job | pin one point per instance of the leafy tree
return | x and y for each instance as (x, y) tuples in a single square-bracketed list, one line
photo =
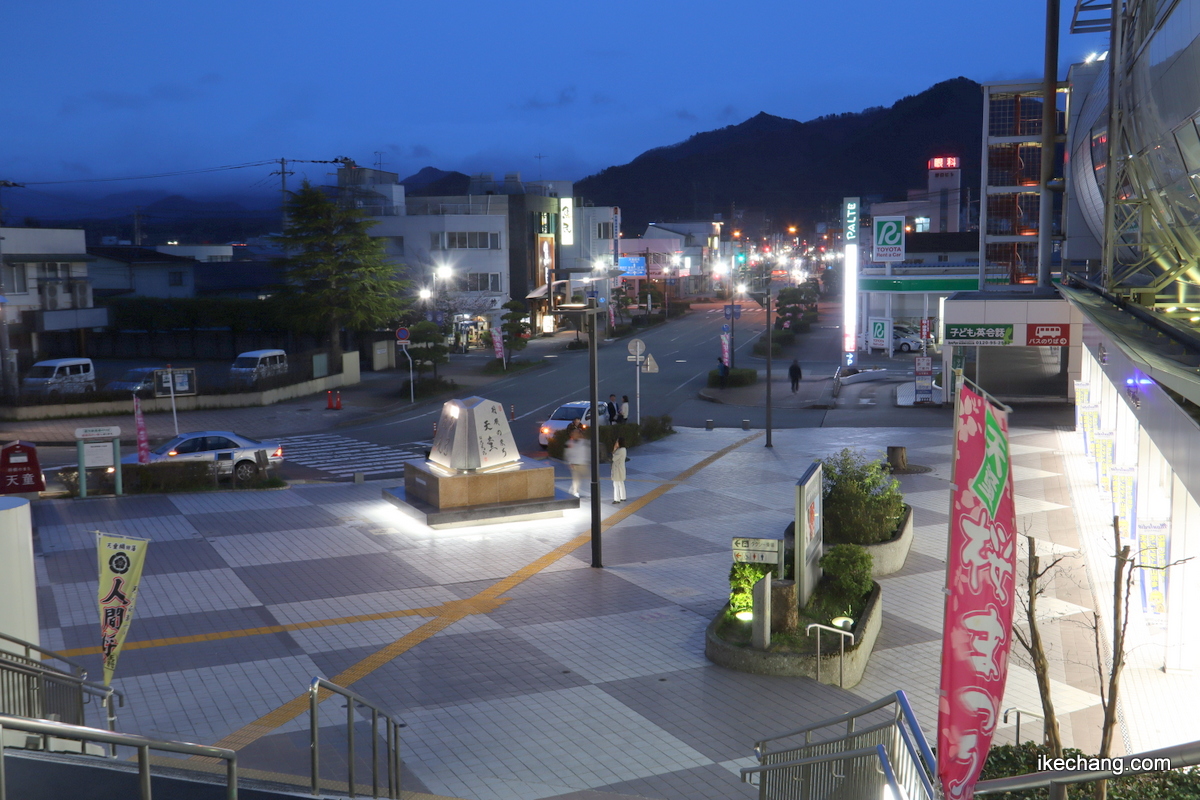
[(515, 327), (428, 347), (334, 270), (863, 503)]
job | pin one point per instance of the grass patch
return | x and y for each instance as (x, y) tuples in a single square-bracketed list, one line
[(496, 366)]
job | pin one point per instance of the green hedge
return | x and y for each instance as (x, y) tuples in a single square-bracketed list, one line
[(1007, 760), (760, 348), (740, 376), (182, 476), (652, 428), (863, 503)]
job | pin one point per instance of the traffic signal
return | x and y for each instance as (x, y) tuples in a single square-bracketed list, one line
[(741, 258)]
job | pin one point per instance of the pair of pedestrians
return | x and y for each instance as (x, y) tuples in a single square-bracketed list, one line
[(579, 456)]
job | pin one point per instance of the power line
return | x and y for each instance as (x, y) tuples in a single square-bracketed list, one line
[(156, 175)]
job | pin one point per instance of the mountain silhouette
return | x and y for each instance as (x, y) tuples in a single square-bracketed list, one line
[(797, 172)]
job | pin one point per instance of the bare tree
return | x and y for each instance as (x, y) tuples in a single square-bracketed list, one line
[(1035, 646)]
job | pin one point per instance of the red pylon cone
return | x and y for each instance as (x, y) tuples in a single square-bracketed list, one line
[(338, 407), (328, 401)]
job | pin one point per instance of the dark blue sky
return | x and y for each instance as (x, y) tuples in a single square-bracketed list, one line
[(98, 89)]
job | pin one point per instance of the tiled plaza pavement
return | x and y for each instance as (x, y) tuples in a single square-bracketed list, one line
[(519, 671)]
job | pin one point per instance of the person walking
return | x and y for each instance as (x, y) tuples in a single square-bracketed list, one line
[(579, 456), (795, 373), (623, 414), (619, 456)]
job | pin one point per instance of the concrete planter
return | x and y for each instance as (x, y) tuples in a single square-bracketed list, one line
[(797, 665), (888, 557)]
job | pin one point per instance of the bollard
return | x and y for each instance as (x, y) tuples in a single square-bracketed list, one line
[(708, 424), (338, 406), (745, 424), (512, 412), (435, 430), (359, 477), (329, 400)]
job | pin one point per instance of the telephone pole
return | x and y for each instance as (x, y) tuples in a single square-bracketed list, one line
[(283, 173), (137, 226), (8, 365)]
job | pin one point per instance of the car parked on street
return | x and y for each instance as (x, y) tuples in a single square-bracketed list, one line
[(579, 411), (139, 380), (233, 454), (58, 376)]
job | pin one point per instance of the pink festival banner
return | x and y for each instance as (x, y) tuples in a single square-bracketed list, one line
[(980, 587), (498, 344), (143, 439)]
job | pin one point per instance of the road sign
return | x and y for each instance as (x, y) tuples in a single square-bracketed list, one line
[(758, 551), (724, 329), (111, 432), (638, 359), (651, 365), (636, 347), (733, 311), (401, 334), (670, 281)]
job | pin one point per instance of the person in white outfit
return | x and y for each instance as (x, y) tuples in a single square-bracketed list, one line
[(624, 412), (618, 470), (579, 454)]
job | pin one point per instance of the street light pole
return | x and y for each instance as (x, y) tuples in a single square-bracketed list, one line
[(588, 313), (770, 347)]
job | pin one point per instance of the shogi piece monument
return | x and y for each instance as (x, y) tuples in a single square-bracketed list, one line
[(474, 474)]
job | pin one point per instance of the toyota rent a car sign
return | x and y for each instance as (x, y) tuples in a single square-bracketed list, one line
[(889, 238), (1057, 334)]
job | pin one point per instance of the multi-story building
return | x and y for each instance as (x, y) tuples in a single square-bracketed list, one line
[(46, 289)]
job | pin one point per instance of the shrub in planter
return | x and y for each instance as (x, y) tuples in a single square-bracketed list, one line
[(737, 377), (742, 577), (845, 586), (760, 348), (654, 428), (862, 501), (577, 344)]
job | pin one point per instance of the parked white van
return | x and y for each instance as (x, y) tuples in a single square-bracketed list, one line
[(253, 366), (60, 376)]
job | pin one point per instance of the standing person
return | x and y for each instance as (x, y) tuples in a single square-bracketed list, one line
[(723, 371), (612, 409), (619, 454), (623, 414), (579, 455), (795, 373)]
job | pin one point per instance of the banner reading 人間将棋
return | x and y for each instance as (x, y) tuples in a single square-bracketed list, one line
[(121, 559), (980, 587)]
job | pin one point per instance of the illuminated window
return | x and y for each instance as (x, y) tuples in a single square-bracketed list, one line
[(921, 225)]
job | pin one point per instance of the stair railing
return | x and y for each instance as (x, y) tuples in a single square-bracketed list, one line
[(352, 702)]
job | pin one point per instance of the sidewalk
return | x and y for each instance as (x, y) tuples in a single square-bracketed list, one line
[(520, 672), (377, 393)]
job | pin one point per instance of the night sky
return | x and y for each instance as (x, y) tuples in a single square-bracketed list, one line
[(100, 89)]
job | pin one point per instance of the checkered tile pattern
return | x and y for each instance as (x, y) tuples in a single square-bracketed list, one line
[(572, 679)]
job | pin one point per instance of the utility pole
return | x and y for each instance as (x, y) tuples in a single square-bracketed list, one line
[(137, 226), (283, 173), (7, 364)]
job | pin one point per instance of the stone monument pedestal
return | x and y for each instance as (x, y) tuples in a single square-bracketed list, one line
[(445, 498)]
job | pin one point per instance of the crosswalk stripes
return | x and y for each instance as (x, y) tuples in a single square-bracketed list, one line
[(343, 456)]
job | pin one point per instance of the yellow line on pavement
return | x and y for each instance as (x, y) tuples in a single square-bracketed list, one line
[(483, 602)]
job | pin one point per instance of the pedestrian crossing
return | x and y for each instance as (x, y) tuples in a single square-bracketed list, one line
[(343, 456)]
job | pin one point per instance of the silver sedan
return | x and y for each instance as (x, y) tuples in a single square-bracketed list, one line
[(231, 452)]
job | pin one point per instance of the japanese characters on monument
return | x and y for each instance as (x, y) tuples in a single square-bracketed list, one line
[(980, 577), (143, 440), (121, 559)]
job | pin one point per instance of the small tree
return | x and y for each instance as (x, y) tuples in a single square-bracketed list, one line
[(1035, 647), (428, 337), (863, 503), (515, 327), (334, 270)]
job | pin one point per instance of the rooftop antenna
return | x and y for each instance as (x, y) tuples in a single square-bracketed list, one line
[(379, 160), (539, 158)]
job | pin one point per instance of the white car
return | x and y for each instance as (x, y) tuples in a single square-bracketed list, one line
[(579, 411), (232, 453), (905, 342)]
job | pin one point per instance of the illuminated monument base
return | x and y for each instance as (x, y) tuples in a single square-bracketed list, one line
[(474, 474)]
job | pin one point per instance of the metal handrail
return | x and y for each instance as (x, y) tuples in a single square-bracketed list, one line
[(1019, 712), (80, 671), (393, 739), (1180, 755), (878, 751), (848, 717), (143, 745), (841, 648), (42, 673)]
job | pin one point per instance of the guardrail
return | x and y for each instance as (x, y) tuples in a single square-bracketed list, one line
[(907, 752), (31, 688), (142, 744), (352, 701), (1174, 757), (843, 635), (1018, 712)]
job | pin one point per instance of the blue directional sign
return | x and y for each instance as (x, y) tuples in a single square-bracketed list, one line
[(724, 329), (733, 312), (851, 359), (632, 266), (671, 281)]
